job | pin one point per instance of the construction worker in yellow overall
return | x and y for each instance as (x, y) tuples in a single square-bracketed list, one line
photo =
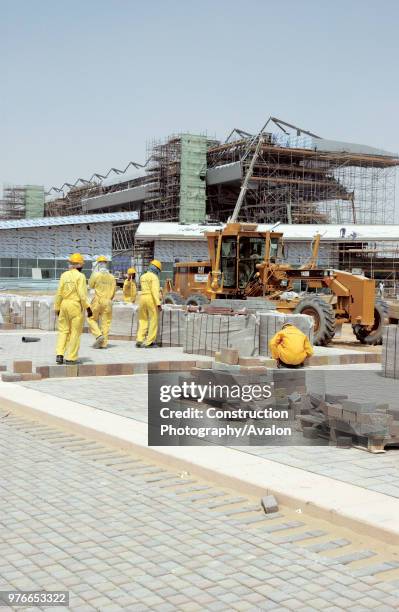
[(70, 304), (104, 285), (129, 287), (149, 306), (290, 347)]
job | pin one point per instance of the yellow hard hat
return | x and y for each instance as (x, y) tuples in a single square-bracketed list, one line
[(102, 259), (156, 263), (131, 271), (76, 258)]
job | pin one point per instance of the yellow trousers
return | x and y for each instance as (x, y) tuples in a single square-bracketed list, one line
[(148, 320), (70, 328), (100, 323)]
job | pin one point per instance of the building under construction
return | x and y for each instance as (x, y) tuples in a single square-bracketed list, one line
[(22, 202), (298, 177)]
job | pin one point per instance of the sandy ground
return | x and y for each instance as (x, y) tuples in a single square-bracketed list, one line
[(348, 340)]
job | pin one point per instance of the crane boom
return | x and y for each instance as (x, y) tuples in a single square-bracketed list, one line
[(245, 182)]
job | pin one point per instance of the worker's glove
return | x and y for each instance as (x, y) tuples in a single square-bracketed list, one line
[(89, 312), (159, 307)]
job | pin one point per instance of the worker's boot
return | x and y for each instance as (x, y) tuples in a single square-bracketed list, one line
[(139, 345), (152, 345), (59, 359), (69, 362), (98, 342)]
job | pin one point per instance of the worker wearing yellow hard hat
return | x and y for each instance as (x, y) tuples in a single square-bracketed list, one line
[(149, 305), (129, 287), (290, 347), (70, 304), (103, 284)]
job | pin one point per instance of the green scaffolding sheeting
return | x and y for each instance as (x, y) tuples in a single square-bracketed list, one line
[(192, 187), (34, 201)]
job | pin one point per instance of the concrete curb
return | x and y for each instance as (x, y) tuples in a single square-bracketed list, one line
[(364, 511)]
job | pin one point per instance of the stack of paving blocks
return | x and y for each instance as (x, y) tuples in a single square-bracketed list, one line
[(171, 326), (22, 371), (208, 333), (390, 351), (27, 312), (251, 305), (38, 313), (124, 321), (205, 334), (366, 424)]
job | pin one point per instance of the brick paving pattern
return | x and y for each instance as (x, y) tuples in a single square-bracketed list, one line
[(127, 396), (118, 533)]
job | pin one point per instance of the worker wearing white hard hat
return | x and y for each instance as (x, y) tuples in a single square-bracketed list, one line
[(103, 283)]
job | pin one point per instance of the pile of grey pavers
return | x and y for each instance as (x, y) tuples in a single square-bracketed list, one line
[(347, 423), (250, 333), (390, 352)]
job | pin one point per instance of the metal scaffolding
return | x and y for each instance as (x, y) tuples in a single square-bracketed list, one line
[(294, 182)]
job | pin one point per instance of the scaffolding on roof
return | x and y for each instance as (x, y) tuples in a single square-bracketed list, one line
[(295, 182), (298, 178)]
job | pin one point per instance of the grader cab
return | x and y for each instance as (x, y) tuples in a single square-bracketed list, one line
[(244, 262)]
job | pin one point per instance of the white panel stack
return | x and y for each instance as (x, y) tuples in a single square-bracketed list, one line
[(390, 352)]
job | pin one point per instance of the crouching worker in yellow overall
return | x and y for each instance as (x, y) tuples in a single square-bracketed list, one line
[(129, 287), (149, 305), (70, 305), (104, 285), (290, 347)]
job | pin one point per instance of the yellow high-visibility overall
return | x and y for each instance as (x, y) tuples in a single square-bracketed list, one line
[(71, 302), (290, 346), (104, 285), (129, 291), (148, 308)]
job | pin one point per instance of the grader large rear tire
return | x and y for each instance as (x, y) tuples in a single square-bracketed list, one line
[(374, 336), (197, 299), (323, 315), (173, 298)]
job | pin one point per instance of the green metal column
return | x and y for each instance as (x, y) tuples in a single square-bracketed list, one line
[(192, 187), (34, 201)]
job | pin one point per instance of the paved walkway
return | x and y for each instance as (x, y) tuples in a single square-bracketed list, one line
[(118, 533), (118, 351), (43, 352), (127, 396)]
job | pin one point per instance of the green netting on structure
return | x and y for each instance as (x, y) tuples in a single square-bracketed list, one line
[(34, 201), (192, 187)]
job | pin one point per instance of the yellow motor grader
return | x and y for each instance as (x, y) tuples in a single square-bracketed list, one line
[(244, 262)]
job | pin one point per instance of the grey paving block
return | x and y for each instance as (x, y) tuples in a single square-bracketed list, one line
[(355, 556), (301, 536), (332, 545), (269, 504)]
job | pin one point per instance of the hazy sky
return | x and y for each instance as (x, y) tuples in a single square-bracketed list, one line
[(86, 84)]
